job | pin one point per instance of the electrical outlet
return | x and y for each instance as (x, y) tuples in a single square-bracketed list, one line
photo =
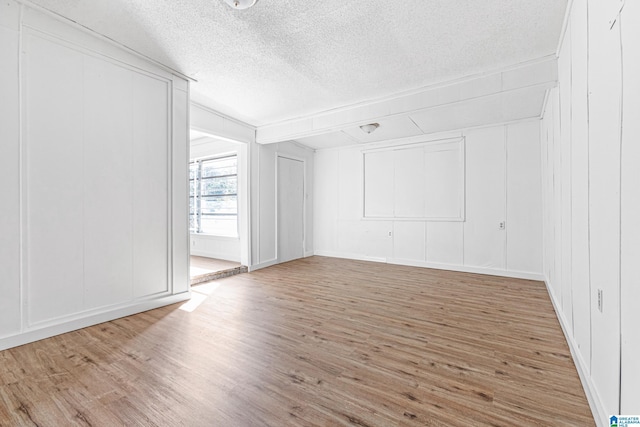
[(502, 225), (600, 300)]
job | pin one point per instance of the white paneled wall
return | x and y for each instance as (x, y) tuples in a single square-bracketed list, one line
[(502, 185), (630, 204), (10, 307), (264, 160), (486, 202), (591, 242), (94, 187)]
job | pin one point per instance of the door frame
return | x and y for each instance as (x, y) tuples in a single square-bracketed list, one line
[(244, 199)]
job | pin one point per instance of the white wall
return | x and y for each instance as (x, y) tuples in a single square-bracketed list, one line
[(591, 238), (263, 200), (94, 164), (221, 247), (502, 178)]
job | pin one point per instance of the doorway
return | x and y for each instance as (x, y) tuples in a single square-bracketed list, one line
[(290, 208), (218, 201)]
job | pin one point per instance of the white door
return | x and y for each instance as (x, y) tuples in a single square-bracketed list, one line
[(290, 209)]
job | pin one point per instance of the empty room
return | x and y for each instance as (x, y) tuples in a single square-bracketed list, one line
[(319, 213)]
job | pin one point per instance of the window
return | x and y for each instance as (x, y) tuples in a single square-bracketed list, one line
[(213, 201)]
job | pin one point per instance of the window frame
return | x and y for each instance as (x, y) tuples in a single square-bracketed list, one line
[(197, 196)]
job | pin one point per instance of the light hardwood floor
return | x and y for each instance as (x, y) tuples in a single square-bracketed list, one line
[(318, 341)]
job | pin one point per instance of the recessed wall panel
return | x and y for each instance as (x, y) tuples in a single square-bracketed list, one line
[(524, 213), (484, 240), (108, 175), (630, 245), (150, 185), (580, 280), (379, 184), (180, 159), (444, 181), (418, 181), (9, 174), (445, 243), (604, 198), (409, 240), (54, 180), (267, 204), (409, 181), (326, 186)]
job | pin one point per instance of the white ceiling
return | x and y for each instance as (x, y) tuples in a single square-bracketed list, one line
[(284, 59)]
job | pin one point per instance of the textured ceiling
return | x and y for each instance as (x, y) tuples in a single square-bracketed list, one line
[(289, 58)]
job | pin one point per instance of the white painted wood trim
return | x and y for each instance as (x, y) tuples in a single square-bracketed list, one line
[(451, 267), (590, 390), (104, 39), (82, 320), (426, 143), (275, 132)]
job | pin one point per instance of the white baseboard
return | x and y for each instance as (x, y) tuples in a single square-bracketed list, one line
[(84, 320), (347, 255), (450, 267), (595, 403), (469, 269), (309, 253)]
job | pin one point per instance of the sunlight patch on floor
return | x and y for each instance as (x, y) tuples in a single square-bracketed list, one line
[(199, 294)]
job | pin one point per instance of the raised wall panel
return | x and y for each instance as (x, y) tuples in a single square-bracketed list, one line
[(54, 179), (108, 174), (180, 159), (379, 184), (290, 209), (254, 161), (580, 183), (409, 179), (484, 241), (326, 185), (421, 181), (604, 198), (376, 241), (150, 186), (524, 212), (9, 171), (267, 204), (409, 240), (445, 243), (564, 75), (350, 186), (630, 244), (556, 205), (350, 237), (443, 181)]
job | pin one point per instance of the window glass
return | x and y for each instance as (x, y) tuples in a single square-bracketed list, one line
[(213, 188)]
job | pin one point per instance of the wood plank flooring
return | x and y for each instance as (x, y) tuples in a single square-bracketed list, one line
[(313, 342)]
